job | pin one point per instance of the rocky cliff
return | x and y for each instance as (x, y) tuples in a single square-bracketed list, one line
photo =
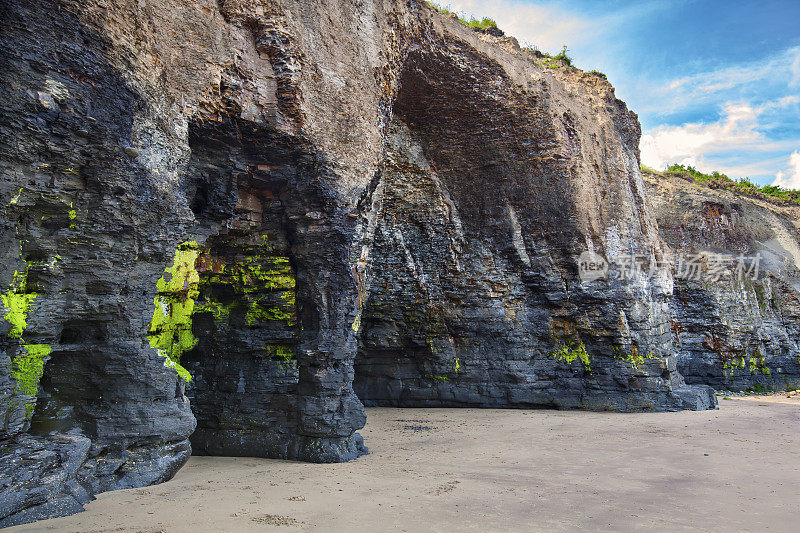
[(224, 219), (499, 172), (736, 304)]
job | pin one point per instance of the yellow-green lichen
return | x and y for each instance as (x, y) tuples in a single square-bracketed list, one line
[(15, 200), (457, 365), (252, 276), (737, 362), (17, 301), (247, 278), (571, 352), (283, 352), (755, 363), (170, 330), (219, 311), (633, 357), (72, 214), (256, 314), (25, 369)]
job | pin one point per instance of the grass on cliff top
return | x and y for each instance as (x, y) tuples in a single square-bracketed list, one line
[(718, 180), (549, 60), (561, 56), (483, 24)]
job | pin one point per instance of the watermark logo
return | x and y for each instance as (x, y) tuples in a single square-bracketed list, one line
[(592, 266), (694, 267)]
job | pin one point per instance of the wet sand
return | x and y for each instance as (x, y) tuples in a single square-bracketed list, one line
[(737, 468)]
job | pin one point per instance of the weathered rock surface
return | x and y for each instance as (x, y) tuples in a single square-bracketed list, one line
[(732, 330), (498, 176), (219, 216)]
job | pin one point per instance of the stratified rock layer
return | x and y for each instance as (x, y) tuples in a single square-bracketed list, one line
[(732, 330), (251, 203), (498, 175)]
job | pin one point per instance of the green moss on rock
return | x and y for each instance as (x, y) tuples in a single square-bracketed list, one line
[(218, 310), (170, 330), (26, 369), (571, 352), (284, 352), (634, 358), (256, 314), (17, 301), (247, 278)]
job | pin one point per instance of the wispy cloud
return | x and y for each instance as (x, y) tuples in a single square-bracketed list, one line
[(795, 69), (791, 178), (677, 98), (687, 144), (781, 71), (549, 26), (708, 146)]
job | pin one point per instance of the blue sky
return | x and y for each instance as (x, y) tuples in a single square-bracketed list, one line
[(716, 84)]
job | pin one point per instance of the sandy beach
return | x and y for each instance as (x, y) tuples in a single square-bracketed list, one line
[(735, 468)]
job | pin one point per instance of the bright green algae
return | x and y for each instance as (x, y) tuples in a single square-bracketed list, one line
[(17, 301), (248, 278), (180, 288), (571, 352), (27, 368), (170, 330)]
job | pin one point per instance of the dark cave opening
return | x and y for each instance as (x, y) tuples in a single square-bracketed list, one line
[(272, 363), (245, 321)]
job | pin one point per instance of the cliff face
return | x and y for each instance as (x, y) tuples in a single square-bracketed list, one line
[(180, 176), (218, 215), (734, 327), (498, 175)]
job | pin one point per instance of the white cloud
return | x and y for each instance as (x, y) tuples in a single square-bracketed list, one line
[(780, 103), (781, 71), (757, 128), (688, 144), (708, 146), (547, 27), (795, 68), (792, 179)]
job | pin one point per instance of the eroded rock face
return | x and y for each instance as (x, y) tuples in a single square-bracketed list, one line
[(136, 135), (732, 330), (497, 177), (218, 214), (78, 275)]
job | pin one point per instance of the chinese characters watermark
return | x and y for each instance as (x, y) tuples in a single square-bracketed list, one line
[(694, 267)]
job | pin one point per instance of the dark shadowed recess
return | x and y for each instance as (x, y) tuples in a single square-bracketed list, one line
[(275, 295), (441, 341)]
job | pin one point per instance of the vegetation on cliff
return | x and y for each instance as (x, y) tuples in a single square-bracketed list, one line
[(718, 180), (170, 329), (485, 23), (27, 367), (482, 24)]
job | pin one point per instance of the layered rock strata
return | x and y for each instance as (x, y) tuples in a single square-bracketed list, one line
[(736, 303), (220, 216)]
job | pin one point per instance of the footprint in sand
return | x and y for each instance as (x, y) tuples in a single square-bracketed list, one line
[(275, 520), (444, 488)]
